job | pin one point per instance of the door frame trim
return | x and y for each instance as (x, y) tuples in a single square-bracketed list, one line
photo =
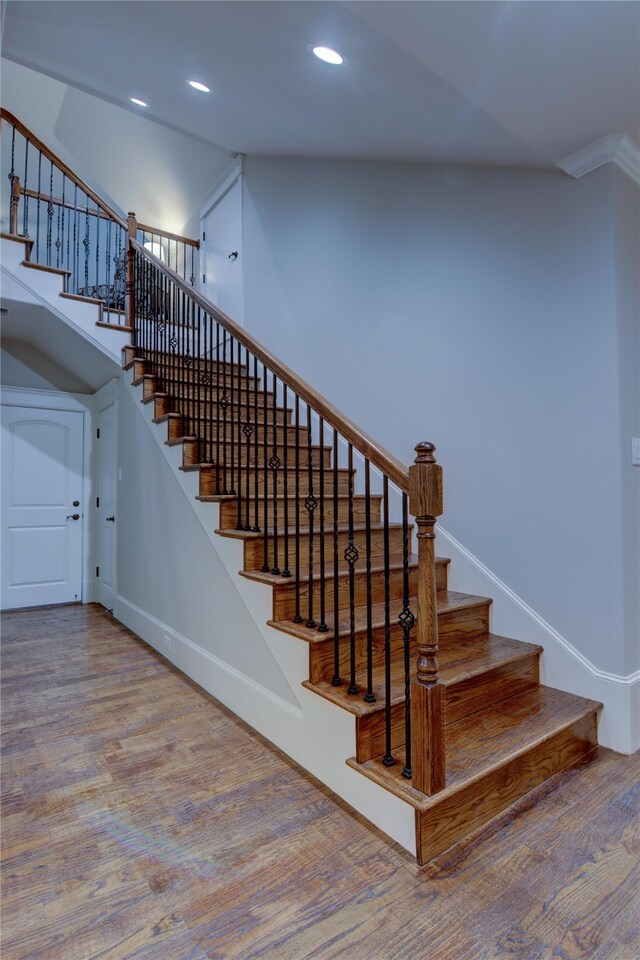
[(87, 404), (104, 398)]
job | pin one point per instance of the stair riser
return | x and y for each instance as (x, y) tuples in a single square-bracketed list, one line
[(254, 550), (196, 451), (229, 510), (208, 483), (180, 375), (210, 395), (190, 427), (465, 811), (464, 624), (461, 700), (284, 604), (159, 359), (237, 413)]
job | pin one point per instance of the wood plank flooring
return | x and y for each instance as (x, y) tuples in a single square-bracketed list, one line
[(142, 820)]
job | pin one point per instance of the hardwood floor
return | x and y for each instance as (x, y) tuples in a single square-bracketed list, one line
[(142, 820)]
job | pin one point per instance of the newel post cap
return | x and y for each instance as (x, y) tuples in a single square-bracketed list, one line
[(425, 483)]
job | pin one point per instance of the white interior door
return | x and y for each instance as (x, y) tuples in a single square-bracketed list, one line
[(222, 253), (106, 506), (41, 506)]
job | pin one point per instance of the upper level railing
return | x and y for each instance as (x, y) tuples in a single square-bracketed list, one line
[(328, 505), (71, 228)]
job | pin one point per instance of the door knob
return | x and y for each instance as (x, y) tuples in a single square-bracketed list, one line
[(73, 516), (110, 519)]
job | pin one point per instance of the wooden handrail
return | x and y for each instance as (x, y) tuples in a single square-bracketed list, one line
[(395, 470), (145, 228), (44, 149)]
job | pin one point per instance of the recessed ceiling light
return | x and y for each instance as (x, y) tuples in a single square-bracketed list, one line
[(140, 103), (327, 54), (199, 86)]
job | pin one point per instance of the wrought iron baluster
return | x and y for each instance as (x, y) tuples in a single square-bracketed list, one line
[(25, 208), (407, 621), (38, 206), (275, 464), (351, 556), (57, 244), (322, 626), (76, 240), (297, 616), (265, 475), (86, 244), (97, 277), (369, 696), (286, 572), (193, 267), (337, 680), (218, 410), (388, 759), (247, 431), (233, 425), (224, 403), (49, 213), (310, 504), (64, 183), (256, 497)]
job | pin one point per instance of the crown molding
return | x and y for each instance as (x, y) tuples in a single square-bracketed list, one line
[(613, 148)]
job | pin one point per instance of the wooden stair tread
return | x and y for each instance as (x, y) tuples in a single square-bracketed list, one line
[(17, 238), (448, 600), (328, 498), (487, 741), (457, 661), (42, 266)]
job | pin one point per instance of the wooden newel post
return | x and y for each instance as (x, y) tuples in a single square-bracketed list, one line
[(13, 206), (427, 694), (132, 230)]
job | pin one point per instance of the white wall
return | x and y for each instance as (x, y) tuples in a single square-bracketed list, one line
[(167, 567), (627, 262), (475, 308), (23, 365), (139, 165)]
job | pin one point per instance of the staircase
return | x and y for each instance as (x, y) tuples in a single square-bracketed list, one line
[(504, 733), (448, 717)]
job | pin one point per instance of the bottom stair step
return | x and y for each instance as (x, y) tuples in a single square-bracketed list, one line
[(494, 757)]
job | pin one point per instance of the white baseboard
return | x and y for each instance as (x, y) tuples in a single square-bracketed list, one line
[(292, 729), (563, 666)]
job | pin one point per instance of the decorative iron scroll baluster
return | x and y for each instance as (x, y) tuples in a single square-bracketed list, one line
[(275, 464), (406, 621), (337, 680), (38, 206), (218, 410), (310, 504), (256, 498), (25, 207), (265, 475), (286, 572), (298, 615), (388, 759), (322, 626), (85, 242), (247, 431), (351, 556), (233, 373), (49, 216), (369, 696), (60, 237)]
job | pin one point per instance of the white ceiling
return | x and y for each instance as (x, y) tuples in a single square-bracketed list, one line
[(516, 83)]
